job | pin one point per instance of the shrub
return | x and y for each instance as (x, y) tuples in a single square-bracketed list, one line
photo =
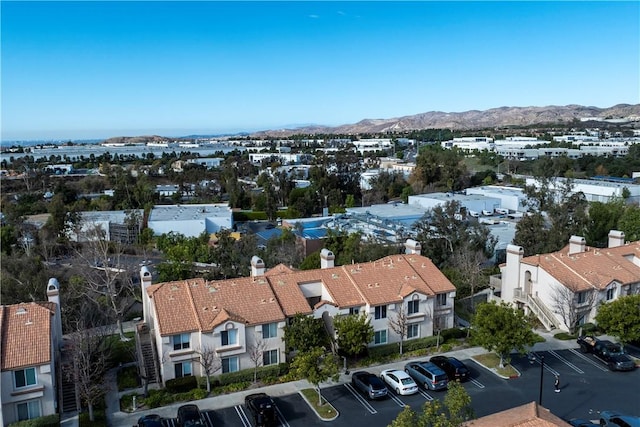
[(128, 378), (589, 329), (246, 375), (453, 334), (47, 421), (100, 419), (158, 398), (182, 384)]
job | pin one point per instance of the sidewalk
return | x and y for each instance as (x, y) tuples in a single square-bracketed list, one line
[(116, 418)]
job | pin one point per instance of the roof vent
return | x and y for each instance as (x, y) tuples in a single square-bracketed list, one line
[(21, 310)]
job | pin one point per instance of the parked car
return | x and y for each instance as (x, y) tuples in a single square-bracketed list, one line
[(399, 381), (616, 419), (189, 416), (455, 369), (611, 354), (579, 422), (427, 374), (263, 409), (369, 384), (151, 420)]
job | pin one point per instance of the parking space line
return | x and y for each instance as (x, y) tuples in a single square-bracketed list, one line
[(546, 366), (477, 383), (169, 422), (360, 399), (586, 359), (281, 417), (396, 399), (243, 416), (569, 364), (425, 394)]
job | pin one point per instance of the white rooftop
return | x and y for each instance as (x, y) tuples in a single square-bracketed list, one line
[(189, 212)]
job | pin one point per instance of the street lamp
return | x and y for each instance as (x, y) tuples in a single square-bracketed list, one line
[(541, 376)]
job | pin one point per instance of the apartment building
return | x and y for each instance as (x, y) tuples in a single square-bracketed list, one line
[(236, 316), (564, 288), (31, 335)]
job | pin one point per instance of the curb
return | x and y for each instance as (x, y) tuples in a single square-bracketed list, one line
[(314, 409), (494, 372)]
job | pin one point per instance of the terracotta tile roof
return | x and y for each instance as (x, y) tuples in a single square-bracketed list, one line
[(26, 335), (594, 268), (528, 415), (198, 305), (195, 304)]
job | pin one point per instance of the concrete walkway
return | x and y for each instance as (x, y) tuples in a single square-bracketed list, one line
[(117, 418)]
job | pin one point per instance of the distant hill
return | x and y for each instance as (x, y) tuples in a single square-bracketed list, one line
[(468, 120)]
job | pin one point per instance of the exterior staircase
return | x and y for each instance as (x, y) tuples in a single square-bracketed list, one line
[(146, 354), (68, 396), (537, 307)]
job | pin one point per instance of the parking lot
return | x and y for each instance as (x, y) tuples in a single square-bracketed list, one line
[(587, 387)]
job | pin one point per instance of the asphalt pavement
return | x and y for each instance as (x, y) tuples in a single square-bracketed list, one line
[(119, 418)]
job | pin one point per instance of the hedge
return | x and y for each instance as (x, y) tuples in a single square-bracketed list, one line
[(182, 384), (47, 421), (271, 371)]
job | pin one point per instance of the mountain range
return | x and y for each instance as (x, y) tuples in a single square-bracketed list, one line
[(469, 120)]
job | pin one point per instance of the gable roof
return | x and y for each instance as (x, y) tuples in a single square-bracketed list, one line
[(26, 335), (198, 305), (592, 269), (527, 415)]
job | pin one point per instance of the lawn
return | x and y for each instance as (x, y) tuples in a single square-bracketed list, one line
[(325, 411), (492, 361)]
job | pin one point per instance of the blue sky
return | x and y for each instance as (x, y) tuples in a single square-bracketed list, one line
[(99, 69)]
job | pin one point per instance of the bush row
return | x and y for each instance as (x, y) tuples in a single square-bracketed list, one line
[(48, 421)]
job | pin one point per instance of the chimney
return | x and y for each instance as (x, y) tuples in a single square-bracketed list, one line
[(327, 259), (257, 266), (53, 295), (577, 245), (616, 238), (145, 282), (412, 247)]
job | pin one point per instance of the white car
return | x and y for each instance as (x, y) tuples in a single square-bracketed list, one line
[(399, 381)]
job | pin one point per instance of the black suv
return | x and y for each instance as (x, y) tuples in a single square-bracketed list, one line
[(189, 416), (369, 384), (263, 409), (455, 369)]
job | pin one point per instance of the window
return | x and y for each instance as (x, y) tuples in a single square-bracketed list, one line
[(611, 293), (28, 410), (413, 331), (354, 310), (229, 337), (181, 341), (413, 307), (229, 364), (442, 299), (380, 337), (269, 357), (381, 312), (582, 297), (182, 369), (270, 330), (25, 377)]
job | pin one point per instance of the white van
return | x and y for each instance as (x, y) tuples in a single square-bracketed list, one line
[(474, 214), (502, 211)]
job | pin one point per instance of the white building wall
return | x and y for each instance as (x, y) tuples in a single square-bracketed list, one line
[(44, 392)]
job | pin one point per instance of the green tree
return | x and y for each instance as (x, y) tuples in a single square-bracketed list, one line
[(354, 333), (603, 217), (629, 223), (454, 412), (501, 328), (316, 365), (445, 230), (304, 333), (621, 318), (556, 213)]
